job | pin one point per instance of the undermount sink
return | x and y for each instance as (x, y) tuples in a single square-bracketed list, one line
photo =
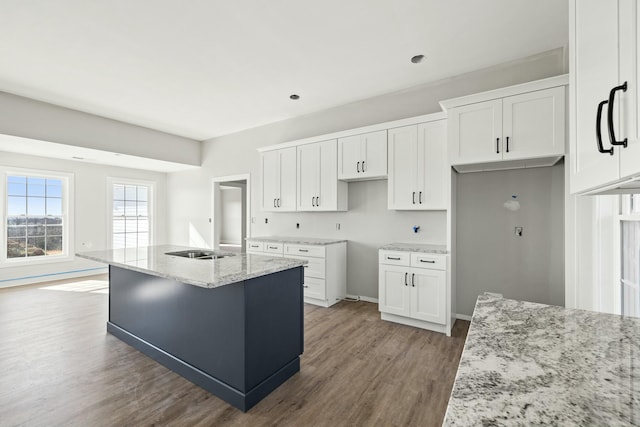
[(199, 254)]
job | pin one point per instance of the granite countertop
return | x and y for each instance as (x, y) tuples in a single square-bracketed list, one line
[(533, 364), (416, 247), (205, 273), (296, 240)]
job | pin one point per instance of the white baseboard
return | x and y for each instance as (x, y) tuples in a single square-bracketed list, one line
[(363, 298), (463, 317), (30, 280)]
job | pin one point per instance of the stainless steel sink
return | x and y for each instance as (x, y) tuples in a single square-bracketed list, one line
[(200, 254)]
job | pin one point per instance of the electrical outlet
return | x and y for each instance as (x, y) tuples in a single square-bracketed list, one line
[(518, 231), (337, 226), (266, 220)]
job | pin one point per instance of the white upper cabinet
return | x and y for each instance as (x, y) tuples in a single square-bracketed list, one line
[(524, 126), (604, 40), (278, 170), (362, 157), (317, 178), (418, 167), (475, 131)]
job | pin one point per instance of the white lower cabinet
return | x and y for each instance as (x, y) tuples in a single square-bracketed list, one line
[(325, 274), (412, 289)]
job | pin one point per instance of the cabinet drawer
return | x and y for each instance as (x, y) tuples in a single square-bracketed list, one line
[(432, 261), (394, 258), (314, 288), (273, 248), (255, 246), (304, 251), (315, 268)]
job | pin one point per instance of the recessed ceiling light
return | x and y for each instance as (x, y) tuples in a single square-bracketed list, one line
[(294, 96), (77, 158), (417, 59)]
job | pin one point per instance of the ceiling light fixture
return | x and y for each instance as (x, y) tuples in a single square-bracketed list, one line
[(294, 97), (417, 59), (77, 158)]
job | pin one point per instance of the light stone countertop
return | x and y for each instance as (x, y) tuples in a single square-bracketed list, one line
[(416, 247), (205, 273), (295, 240), (533, 364)]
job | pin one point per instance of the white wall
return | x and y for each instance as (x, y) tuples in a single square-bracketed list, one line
[(91, 214), (368, 224), (490, 257), (32, 119)]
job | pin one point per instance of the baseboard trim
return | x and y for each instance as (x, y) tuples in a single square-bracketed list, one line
[(41, 278), (363, 298), (463, 317)]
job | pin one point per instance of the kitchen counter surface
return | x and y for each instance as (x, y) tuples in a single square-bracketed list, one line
[(416, 247), (205, 273), (296, 240), (533, 364)]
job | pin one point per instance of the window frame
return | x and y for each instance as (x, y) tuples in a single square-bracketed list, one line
[(151, 200), (68, 223), (624, 214)]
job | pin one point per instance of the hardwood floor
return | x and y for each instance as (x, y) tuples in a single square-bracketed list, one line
[(58, 366)]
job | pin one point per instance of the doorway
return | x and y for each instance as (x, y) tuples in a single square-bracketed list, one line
[(231, 210)]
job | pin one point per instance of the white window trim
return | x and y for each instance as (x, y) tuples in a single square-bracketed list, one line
[(68, 223), (111, 181), (624, 207)]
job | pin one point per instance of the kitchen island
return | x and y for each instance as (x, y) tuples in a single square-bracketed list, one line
[(533, 364), (230, 323)]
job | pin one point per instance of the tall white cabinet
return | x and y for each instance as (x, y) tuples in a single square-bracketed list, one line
[(605, 143), (418, 167)]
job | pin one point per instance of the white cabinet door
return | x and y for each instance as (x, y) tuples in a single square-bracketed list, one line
[(270, 180), (394, 293), (350, 157), (327, 193), (476, 132), (374, 156), (629, 101), (432, 167), (533, 124), (287, 199), (403, 174), (595, 72), (428, 295), (308, 176)]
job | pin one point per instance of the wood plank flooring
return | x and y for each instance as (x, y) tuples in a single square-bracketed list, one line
[(58, 366)]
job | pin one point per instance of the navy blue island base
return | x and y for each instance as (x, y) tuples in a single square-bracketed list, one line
[(238, 341)]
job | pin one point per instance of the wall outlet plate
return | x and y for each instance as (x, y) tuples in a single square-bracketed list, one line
[(518, 231)]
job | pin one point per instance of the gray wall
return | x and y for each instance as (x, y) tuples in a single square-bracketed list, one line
[(231, 215), (490, 257), (368, 224)]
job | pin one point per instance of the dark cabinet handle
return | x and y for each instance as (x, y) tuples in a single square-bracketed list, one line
[(358, 167), (313, 201), (507, 144), (498, 145), (305, 286), (279, 202), (612, 135), (599, 131), (405, 279), (274, 203), (306, 266), (273, 247), (413, 276), (413, 197), (317, 200), (394, 258), (363, 166), (420, 197), (303, 250), (429, 261)]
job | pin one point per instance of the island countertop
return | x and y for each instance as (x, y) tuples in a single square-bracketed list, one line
[(533, 364), (213, 273)]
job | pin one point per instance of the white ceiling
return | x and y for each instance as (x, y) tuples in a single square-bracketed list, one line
[(204, 68)]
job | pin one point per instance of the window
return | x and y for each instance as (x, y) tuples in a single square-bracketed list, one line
[(35, 216), (630, 256), (130, 214)]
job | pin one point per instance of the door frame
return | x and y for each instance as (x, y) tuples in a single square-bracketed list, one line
[(215, 203)]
